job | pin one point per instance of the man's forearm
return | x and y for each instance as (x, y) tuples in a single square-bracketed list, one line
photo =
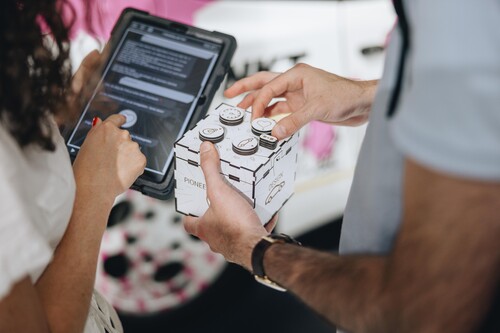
[(370, 90), (66, 286), (345, 290), (359, 104)]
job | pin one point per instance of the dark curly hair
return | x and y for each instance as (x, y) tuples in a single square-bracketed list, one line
[(35, 72)]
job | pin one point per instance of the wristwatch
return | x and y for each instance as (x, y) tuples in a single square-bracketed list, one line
[(258, 257)]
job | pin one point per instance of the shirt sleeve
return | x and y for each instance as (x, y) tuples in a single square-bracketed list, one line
[(22, 248), (448, 117)]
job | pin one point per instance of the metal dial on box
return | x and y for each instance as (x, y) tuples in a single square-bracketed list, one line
[(256, 164)]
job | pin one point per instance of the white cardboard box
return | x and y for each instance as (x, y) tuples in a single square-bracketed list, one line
[(266, 178)]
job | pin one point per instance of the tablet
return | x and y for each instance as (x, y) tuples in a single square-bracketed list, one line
[(161, 75)]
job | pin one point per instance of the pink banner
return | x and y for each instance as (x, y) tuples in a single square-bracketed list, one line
[(97, 17)]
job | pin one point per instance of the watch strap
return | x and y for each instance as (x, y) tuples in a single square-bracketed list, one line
[(258, 257)]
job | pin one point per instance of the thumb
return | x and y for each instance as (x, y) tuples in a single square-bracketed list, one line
[(210, 165), (290, 124), (88, 65), (92, 59)]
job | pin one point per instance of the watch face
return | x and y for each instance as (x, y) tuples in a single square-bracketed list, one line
[(231, 116), (258, 254)]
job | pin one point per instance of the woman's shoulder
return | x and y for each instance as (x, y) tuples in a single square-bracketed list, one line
[(11, 157)]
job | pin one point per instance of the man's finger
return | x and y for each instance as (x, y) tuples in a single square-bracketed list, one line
[(210, 164), (272, 223), (247, 101), (190, 224), (250, 83), (277, 109), (275, 88), (290, 124), (116, 119)]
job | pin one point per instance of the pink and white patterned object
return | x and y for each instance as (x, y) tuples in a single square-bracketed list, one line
[(148, 263), (319, 140), (97, 17)]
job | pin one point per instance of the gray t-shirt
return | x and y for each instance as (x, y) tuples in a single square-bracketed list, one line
[(447, 119)]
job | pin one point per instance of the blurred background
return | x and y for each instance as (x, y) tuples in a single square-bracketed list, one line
[(162, 280)]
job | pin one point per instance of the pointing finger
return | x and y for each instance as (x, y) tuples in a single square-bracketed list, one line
[(116, 119), (210, 164), (290, 124)]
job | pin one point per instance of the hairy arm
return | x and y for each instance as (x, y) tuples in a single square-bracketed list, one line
[(440, 276)]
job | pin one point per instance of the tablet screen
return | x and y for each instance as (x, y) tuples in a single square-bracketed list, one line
[(154, 77)]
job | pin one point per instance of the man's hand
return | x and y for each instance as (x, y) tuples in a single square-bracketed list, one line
[(309, 94), (441, 275), (230, 226)]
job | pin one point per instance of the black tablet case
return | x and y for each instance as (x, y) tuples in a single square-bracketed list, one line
[(163, 190)]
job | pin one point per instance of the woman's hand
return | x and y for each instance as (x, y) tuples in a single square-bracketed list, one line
[(107, 164), (230, 226), (309, 94), (83, 83), (109, 161), (87, 72)]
